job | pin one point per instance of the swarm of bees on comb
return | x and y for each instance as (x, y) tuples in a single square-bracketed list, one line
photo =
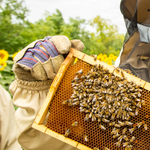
[(106, 98)]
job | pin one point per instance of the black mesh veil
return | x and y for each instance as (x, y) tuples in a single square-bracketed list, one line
[(136, 48)]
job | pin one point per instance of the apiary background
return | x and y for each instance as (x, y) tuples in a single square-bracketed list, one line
[(61, 117)]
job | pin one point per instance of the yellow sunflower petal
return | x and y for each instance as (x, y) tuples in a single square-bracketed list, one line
[(2, 66), (114, 58), (111, 55), (3, 55), (109, 62)]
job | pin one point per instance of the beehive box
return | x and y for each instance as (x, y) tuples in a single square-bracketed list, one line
[(61, 117)]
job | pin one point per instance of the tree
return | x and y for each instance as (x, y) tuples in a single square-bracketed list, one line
[(107, 39), (12, 22)]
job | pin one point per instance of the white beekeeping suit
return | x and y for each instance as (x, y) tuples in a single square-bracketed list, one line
[(8, 136)]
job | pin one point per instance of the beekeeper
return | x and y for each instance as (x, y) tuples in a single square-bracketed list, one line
[(35, 68), (135, 53)]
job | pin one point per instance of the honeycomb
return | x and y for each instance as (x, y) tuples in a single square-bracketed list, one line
[(61, 117)]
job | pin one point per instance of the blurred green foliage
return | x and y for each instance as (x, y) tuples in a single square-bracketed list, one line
[(7, 75), (17, 32)]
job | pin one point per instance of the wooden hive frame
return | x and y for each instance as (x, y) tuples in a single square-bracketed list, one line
[(39, 121)]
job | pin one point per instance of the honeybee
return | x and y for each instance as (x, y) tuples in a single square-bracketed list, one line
[(131, 114), (113, 116), (139, 124), (65, 102), (84, 94), (128, 147), (132, 139), (145, 126), (86, 117), (93, 118), (140, 90), (115, 131), (105, 83), (111, 123), (124, 130), (74, 124), (105, 148), (105, 120), (95, 57), (117, 93), (97, 115), (75, 79), (122, 74), (125, 144), (86, 138), (89, 90), (116, 69), (76, 103), (117, 125), (121, 123), (67, 133), (102, 127), (101, 113), (131, 130), (133, 95), (116, 135), (74, 100), (99, 120), (87, 110), (138, 104), (75, 88), (118, 143), (70, 104), (79, 72), (88, 83), (128, 123), (138, 94), (143, 102), (82, 109), (83, 77), (99, 80), (125, 138), (128, 71), (136, 111), (73, 96), (120, 138), (84, 104)]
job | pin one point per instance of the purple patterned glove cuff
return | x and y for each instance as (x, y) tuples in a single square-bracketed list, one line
[(42, 51)]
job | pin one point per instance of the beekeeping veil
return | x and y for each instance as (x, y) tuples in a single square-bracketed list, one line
[(136, 48)]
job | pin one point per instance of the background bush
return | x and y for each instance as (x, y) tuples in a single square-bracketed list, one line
[(17, 32)]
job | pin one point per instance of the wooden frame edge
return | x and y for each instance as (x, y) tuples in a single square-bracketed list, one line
[(53, 88), (83, 147), (61, 138)]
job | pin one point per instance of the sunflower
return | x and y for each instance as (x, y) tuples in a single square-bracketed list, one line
[(3, 55), (111, 56), (2, 65), (114, 58), (99, 57), (109, 62), (109, 59), (104, 57)]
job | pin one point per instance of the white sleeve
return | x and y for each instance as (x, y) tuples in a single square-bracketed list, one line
[(8, 135), (29, 97), (117, 62)]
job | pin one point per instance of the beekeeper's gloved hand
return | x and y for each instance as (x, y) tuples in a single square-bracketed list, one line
[(42, 59)]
